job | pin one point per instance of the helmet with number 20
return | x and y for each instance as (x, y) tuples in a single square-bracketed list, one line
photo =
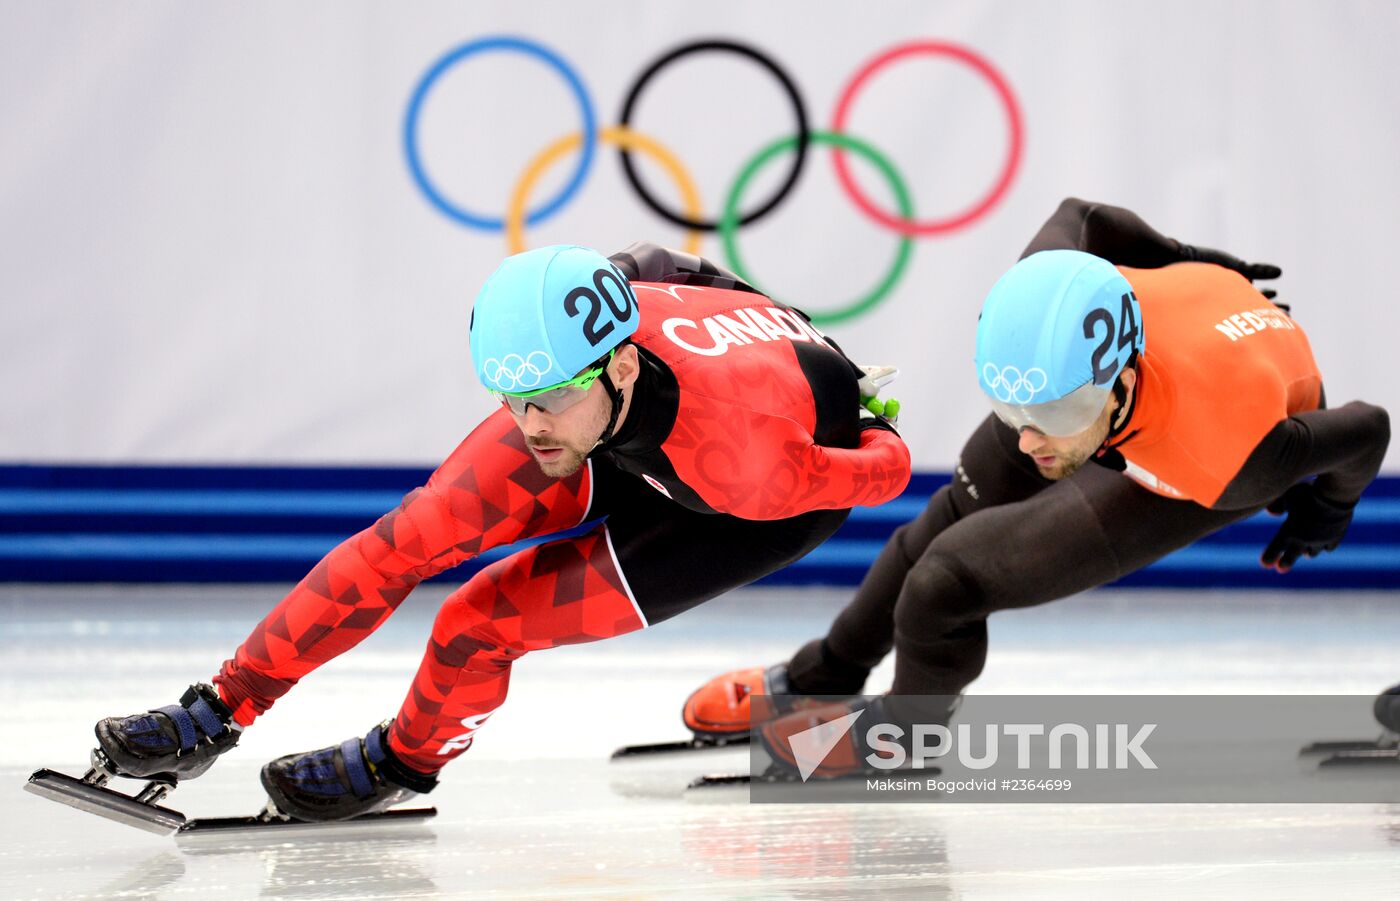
[(1055, 332), (546, 318)]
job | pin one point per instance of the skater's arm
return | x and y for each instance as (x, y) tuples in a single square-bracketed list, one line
[(1124, 239), (769, 467), (647, 262), (1342, 447), (869, 475)]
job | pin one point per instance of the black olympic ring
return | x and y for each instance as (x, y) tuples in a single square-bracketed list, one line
[(799, 158)]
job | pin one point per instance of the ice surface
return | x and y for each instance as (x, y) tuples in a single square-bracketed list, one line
[(534, 810)]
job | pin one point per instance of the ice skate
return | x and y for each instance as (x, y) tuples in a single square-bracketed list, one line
[(727, 705), (720, 713), (731, 704), (165, 745), (179, 741), (1383, 750), (356, 777), (826, 742), (818, 743)]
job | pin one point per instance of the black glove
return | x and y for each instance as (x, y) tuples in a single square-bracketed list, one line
[(1313, 525), (1251, 271)]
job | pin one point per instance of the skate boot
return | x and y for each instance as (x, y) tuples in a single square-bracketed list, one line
[(171, 743), (727, 705), (724, 707), (1384, 749), (1387, 710), (829, 728), (355, 777), (829, 740)]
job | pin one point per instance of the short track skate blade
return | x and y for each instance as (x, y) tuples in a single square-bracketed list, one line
[(104, 802), (631, 753), (728, 784), (720, 781), (1371, 757), (1321, 748), (225, 825)]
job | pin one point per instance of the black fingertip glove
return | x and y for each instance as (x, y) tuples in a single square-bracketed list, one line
[(1251, 271), (1312, 525)]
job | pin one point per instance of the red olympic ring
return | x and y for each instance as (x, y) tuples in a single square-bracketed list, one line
[(1008, 171)]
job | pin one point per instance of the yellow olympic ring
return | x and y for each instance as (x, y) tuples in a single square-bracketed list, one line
[(617, 136)]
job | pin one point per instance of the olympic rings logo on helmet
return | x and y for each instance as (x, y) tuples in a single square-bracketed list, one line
[(731, 219), (516, 372), (1012, 386)]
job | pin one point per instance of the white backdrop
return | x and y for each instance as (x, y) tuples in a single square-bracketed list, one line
[(212, 248)]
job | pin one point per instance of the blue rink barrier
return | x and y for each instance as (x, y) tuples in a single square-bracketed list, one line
[(271, 524)]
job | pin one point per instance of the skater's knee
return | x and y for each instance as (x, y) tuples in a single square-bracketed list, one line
[(939, 594), (911, 541), (467, 627), (473, 653)]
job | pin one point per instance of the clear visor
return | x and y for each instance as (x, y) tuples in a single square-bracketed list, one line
[(1069, 415), (553, 400)]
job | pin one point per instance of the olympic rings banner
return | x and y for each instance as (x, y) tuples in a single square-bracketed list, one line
[(731, 219), (251, 233)]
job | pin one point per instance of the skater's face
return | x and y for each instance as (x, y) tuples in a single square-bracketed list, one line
[(560, 442), (1057, 457)]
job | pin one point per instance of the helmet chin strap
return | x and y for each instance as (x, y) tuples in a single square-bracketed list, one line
[(614, 395)]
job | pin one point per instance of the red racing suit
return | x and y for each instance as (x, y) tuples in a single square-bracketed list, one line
[(742, 450)]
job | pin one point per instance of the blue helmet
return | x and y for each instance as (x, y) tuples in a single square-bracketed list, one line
[(546, 315), (1055, 332)]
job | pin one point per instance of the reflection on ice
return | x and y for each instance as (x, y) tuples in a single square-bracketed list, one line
[(535, 809)]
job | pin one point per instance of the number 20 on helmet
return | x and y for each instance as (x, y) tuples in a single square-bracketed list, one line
[(546, 320)]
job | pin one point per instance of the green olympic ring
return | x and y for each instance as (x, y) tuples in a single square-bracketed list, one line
[(728, 225)]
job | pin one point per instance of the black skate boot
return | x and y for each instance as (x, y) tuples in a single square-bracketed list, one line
[(1387, 710), (355, 777), (1363, 752), (170, 743)]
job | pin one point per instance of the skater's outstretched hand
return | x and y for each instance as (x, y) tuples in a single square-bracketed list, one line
[(1312, 525), (1251, 271)]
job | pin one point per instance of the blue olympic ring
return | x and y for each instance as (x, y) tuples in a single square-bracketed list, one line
[(458, 54)]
